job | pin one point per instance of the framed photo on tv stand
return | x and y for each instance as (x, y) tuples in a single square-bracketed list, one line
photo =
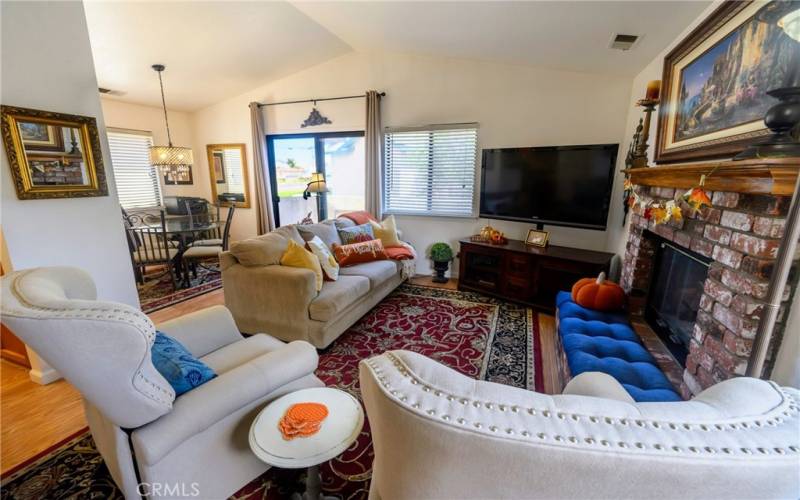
[(537, 238)]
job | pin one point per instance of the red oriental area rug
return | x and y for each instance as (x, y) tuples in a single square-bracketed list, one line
[(479, 336)]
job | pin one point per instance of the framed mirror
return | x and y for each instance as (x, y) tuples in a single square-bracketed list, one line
[(53, 155), (227, 165)]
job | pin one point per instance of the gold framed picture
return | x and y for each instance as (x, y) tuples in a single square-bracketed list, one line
[(537, 238), (53, 155)]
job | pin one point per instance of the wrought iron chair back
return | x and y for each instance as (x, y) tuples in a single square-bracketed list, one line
[(149, 244)]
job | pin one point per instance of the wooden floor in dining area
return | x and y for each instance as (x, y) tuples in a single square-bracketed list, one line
[(33, 417)]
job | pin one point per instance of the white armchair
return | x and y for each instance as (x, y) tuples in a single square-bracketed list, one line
[(439, 434), (196, 442)]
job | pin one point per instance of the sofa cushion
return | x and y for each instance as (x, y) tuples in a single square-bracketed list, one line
[(378, 271), (239, 353), (336, 296), (326, 231), (265, 250), (290, 232)]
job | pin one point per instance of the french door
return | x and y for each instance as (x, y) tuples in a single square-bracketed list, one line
[(338, 156)]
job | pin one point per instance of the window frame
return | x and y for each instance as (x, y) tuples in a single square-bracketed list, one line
[(473, 214), (157, 177), (319, 160)]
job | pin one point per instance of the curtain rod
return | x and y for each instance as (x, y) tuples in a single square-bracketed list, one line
[(262, 104)]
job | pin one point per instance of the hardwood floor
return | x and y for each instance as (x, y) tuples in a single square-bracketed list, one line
[(33, 417)]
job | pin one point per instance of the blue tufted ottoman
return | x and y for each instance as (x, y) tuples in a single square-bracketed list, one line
[(593, 341)]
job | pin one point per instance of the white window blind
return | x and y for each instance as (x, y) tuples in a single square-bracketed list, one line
[(137, 181), (430, 170)]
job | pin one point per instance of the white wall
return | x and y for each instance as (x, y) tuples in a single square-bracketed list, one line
[(47, 64), (120, 114), (514, 105), (787, 366)]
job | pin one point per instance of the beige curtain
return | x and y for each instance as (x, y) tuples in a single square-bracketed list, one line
[(373, 139), (265, 218)]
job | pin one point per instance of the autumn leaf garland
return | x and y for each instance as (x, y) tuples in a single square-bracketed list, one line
[(661, 212)]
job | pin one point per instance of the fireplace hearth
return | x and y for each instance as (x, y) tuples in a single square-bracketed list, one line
[(673, 301)]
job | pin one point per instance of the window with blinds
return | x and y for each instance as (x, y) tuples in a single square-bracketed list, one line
[(137, 181), (430, 170)]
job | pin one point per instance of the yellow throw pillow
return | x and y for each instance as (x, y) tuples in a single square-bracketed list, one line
[(386, 231), (297, 256)]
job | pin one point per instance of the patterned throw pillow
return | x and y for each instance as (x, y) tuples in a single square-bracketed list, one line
[(330, 268), (175, 363), (358, 253), (356, 234)]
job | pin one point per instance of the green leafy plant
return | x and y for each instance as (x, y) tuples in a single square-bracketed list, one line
[(441, 252)]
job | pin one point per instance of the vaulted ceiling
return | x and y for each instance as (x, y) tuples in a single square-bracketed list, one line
[(218, 49)]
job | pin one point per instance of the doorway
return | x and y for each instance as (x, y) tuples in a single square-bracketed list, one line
[(293, 158)]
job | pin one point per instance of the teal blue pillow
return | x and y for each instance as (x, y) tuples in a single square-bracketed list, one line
[(175, 363), (356, 234)]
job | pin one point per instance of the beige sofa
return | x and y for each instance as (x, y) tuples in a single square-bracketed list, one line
[(264, 296)]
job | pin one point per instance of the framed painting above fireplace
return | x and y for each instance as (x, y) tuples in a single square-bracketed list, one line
[(715, 81)]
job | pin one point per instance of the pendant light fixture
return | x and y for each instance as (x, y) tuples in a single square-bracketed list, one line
[(170, 159)]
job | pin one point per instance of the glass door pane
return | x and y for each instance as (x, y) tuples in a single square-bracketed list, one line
[(294, 162), (343, 157)]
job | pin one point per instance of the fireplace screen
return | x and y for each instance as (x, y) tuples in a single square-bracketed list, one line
[(674, 298)]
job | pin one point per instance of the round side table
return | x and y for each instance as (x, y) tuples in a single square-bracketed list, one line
[(338, 431)]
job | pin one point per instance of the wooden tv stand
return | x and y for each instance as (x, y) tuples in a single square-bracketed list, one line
[(527, 274)]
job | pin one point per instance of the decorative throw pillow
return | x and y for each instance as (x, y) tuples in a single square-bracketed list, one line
[(325, 231), (297, 256), (330, 268), (356, 234), (386, 231), (358, 253), (175, 363)]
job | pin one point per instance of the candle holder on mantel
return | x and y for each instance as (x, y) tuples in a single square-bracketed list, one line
[(783, 120), (639, 157)]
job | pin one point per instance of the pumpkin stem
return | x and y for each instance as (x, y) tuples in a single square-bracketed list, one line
[(601, 278)]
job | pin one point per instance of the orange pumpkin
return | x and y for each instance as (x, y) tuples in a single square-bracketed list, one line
[(598, 294)]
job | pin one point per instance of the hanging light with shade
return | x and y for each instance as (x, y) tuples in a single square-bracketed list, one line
[(169, 159)]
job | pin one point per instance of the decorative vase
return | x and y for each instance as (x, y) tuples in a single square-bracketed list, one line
[(440, 267), (783, 119)]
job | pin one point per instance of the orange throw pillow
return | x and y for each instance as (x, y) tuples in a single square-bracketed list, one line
[(358, 253), (598, 294)]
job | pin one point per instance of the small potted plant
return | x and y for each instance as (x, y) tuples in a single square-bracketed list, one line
[(441, 254)]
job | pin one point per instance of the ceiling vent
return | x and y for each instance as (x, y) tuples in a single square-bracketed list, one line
[(106, 91), (624, 42)]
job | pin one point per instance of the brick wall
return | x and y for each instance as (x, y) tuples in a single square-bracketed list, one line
[(741, 233)]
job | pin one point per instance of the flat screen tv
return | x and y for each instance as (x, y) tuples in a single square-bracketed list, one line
[(556, 185)]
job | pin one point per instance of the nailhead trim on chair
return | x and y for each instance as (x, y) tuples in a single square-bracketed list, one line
[(788, 400), (134, 318)]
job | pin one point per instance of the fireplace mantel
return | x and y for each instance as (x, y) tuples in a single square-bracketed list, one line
[(760, 176)]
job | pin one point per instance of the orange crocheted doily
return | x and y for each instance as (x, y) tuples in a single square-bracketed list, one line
[(302, 420)]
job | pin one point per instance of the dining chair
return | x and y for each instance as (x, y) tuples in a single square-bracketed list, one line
[(205, 213), (149, 246), (199, 252)]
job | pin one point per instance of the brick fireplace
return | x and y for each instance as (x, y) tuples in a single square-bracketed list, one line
[(740, 234)]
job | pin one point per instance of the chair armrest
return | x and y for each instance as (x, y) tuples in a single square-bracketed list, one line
[(599, 385), (204, 331), (204, 406), (268, 295)]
